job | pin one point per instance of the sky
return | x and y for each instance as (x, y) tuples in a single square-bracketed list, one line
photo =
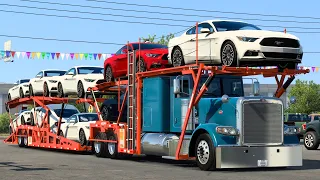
[(14, 24)]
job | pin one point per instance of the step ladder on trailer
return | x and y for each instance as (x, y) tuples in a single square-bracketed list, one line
[(131, 115)]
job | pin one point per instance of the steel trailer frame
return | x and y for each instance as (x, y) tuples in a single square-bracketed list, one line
[(41, 136)]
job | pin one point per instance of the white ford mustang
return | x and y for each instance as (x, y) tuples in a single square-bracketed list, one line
[(77, 127), (44, 83), (78, 79), (22, 118), (20, 90), (235, 43)]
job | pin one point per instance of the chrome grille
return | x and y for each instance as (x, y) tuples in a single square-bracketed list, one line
[(262, 123), (280, 42)]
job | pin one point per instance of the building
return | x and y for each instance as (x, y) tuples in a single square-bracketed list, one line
[(4, 88)]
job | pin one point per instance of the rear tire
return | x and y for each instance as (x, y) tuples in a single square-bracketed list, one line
[(80, 90), (21, 141), (9, 97), (21, 93), (31, 91), (311, 140), (205, 153), (82, 138), (31, 119), (177, 58), (100, 148), (106, 112), (112, 148), (60, 91), (23, 121)]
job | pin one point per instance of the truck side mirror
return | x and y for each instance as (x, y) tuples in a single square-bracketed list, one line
[(293, 100), (256, 88), (176, 86)]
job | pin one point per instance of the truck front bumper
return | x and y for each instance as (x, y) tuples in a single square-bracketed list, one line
[(251, 157)]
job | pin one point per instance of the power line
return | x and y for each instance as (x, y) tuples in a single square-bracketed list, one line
[(204, 10), (84, 41), (168, 13), (122, 21), (139, 17)]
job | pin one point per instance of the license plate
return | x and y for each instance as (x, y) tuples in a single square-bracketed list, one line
[(262, 163)]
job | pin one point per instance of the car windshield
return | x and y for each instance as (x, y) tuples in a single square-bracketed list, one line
[(54, 73), (316, 118), (90, 70), (149, 46), (233, 26), (24, 80), (66, 112), (88, 117), (299, 117)]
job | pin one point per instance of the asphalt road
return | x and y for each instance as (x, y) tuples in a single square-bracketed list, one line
[(26, 163)]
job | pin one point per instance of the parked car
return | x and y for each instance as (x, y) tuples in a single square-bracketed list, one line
[(77, 127), (314, 116), (235, 43), (311, 137), (109, 109), (44, 83), (54, 114), (297, 119), (22, 118), (20, 90), (78, 79), (152, 56)]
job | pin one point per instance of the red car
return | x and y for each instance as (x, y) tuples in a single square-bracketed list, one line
[(152, 56)]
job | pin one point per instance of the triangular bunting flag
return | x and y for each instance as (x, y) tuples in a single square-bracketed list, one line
[(95, 56), (18, 54), (58, 55), (8, 53), (48, 55), (67, 56), (71, 55), (43, 54), (86, 55), (53, 55), (313, 68), (90, 56), (33, 54), (317, 69), (38, 55), (2, 53), (28, 55), (62, 55), (81, 56), (99, 56), (23, 54), (77, 55), (12, 54)]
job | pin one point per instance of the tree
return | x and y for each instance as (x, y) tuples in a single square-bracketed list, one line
[(4, 123), (163, 40), (307, 96)]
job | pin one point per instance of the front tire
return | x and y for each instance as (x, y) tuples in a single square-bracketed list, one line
[(108, 74), (21, 93), (205, 153), (23, 121), (311, 140), (106, 112), (80, 90), (228, 54), (60, 91), (46, 90), (31, 91), (177, 57), (9, 97), (82, 138), (141, 66), (31, 119)]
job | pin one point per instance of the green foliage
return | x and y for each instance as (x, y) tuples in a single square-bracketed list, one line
[(163, 40), (4, 123), (307, 97)]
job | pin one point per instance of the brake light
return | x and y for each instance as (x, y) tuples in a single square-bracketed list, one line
[(304, 126)]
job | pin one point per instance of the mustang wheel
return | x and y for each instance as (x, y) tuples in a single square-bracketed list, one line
[(311, 140), (60, 91), (30, 90), (80, 90), (45, 90), (205, 153), (21, 93), (229, 54), (141, 66), (177, 57), (82, 138), (108, 74)]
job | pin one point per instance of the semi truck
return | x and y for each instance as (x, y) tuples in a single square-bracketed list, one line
[(225, 128)]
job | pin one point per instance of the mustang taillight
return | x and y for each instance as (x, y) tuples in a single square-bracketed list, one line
[(304, 126)]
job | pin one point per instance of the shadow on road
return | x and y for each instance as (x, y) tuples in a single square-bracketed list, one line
[(17, 167)]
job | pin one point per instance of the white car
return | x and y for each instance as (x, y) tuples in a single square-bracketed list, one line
[(54, 114), (78, 79), (45, 82), (235, 43), (77, 127), (22, 118), (20, 90)]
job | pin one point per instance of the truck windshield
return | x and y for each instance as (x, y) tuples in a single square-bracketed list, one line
[(233, 87)]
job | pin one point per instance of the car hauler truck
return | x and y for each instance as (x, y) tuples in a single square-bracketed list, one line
[(198, 112), (193, 112)]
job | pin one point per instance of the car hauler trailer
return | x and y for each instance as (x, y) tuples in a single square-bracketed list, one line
[(198, 112)]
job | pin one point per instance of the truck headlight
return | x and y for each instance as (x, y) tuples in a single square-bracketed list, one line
[(227, 130), (247, 39), (291, 130)]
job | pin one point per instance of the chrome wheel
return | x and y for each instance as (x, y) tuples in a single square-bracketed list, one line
[(177, 58), (25, 139), (203, 152), (309, 141), (108, 74), (227, 55), (97, 147), (111, 148), (80, 90), (82, 138)]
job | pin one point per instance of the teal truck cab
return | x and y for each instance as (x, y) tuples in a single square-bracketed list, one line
[(225, 128)]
